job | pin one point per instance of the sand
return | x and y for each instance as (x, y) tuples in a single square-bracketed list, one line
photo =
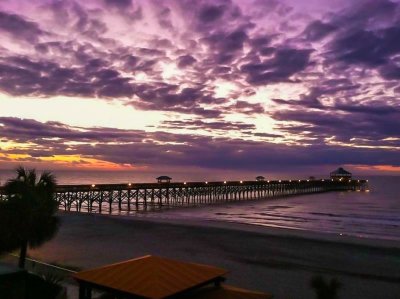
[(278, 261)]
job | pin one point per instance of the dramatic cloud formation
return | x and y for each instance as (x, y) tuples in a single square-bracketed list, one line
[(228, 84)]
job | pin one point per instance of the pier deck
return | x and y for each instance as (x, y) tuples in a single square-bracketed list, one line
[(132, 197)]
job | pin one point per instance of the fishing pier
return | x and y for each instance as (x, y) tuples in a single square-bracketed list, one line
[(133, 197)]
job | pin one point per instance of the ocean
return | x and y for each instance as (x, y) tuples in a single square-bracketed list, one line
[(374, 214)]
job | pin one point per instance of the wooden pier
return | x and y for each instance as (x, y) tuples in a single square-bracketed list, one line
[(133, 197)]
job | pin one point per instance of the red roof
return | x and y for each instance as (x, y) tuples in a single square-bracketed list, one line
[(151, 276)]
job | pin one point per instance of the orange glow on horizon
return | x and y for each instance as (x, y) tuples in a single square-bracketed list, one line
[(385, 168), (67, 162)]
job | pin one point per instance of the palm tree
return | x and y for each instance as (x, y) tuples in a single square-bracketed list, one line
[(28, 213)]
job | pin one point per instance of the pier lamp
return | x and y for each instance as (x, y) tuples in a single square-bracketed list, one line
[(224, 182), (93, 185), (323, 180), (290, 181), (358, 181), (206, 182), (129, 184), (241, 182), (184, 183), (299, 181), (268, 181), (280, 181), (308, 180), (367, 181)]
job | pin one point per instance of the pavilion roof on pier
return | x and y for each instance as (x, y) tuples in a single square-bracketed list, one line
[(164, 178), (340, 172)]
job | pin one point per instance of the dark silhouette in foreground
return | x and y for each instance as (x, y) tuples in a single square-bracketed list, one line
[(325, 289), (27, 216)]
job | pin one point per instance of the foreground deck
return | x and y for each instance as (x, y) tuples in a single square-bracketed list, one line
[(111, 198)]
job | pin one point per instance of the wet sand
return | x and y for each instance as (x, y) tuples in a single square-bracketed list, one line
[(278, 261)]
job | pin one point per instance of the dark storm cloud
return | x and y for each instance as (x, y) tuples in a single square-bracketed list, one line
[(210, 13), (19, 27), (390, 71), (362, 36), (160, 148), (229, 42), (368, 37), (285, 63), (267, 135), (168, 97), (331, 58), (185, 60), (366, 47), (92, 72), (130, 10), (225, 46), (164, 16), (247, 108), (318, 30), (211, 125), (344, 123), (29, 130), (123, 4), (371, 109), (22, 76)]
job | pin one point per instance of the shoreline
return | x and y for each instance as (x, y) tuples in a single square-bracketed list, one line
[(278, 261), (255, 228)]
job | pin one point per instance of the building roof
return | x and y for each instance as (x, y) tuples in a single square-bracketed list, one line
[(340, 171), (151, 276), (226, 292)]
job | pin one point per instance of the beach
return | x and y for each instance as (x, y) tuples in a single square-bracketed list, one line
[(278, 261)]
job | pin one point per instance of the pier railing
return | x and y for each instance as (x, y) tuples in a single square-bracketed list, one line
[(133, 197)]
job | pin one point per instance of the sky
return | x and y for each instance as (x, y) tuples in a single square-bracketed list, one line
[(230, 86)]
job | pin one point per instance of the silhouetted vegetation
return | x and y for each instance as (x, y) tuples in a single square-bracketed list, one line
[(27, 216), (325, 289), (38, 287)]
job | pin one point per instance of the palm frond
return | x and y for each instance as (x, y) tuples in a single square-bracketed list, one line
[(28, 216), (32, 177)]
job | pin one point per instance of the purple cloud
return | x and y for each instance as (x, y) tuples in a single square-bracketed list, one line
[(326, 77), (19, 27), (128, 147)]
